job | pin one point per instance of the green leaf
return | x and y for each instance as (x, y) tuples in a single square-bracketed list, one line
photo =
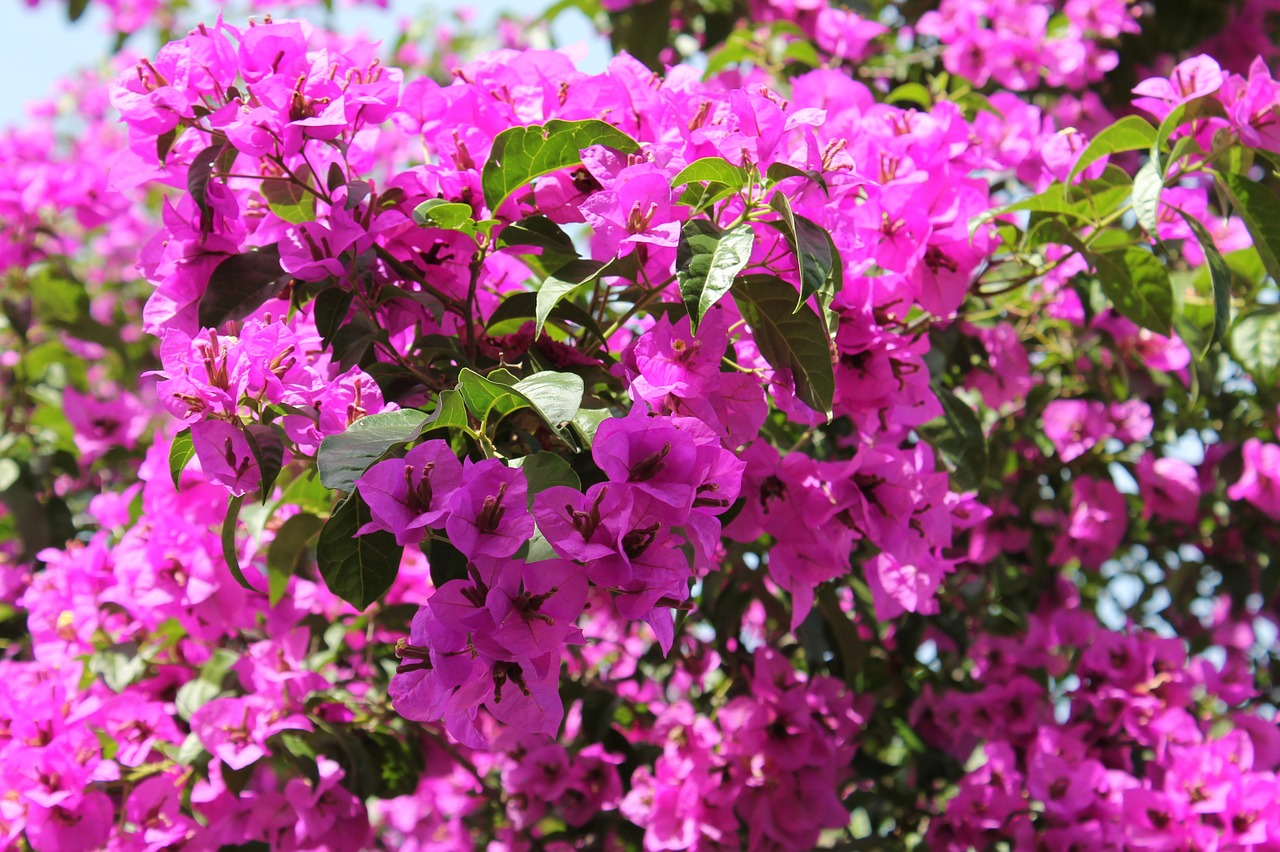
[(587, 420), (292, 201), (1259, 207), (485, 394), (543, 470), (1147, 187), (199, 691), (331, 309), (707, 260), (240, 284), (450, 215), (1255, 343), (1101, 197), (520, 154), (538, 232), (958, 436), (715, 169), (812, 248), (554, 395), (267, 445), (779, 172), (1202, 107), (912, 93), (1137, 283), (343, 458), (524, 306), (1131, 133), (357, 568), (59, 301), (229, 553), (700, 197), (1219, 276), (565, 280), (199, 174), (789, 339), (450, 413), (180, 453), (286, 551)]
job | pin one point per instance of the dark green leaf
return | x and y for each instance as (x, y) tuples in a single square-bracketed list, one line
[(1136, 282), (958, 436), (812, 249), (240, 284), (229, 552), (343, 458), (198, 176), (1131, 133), (781, 171), (1259, 207), (707, 260), (446, 562), (286, 551), (520, 154), (538, 232), (180, 453), (544, 470), (788, 339), (357, 568), (331, 309), (267, 445)]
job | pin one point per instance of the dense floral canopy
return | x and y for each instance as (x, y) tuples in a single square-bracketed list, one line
[(821, 427)]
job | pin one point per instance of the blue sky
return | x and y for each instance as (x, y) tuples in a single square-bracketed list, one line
[(38, 46)]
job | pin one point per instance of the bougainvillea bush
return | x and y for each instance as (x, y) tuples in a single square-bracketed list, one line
[(822, 427)]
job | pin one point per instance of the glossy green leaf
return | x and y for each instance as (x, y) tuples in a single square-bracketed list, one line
[(286, 551), (449, 215), (708, 258), (1131, 133), (1259, 207), (357, 568), (343, 458), (554, 395), (715, 169), (789, 339), (485, 395), (520, 154), (1137, 284), (180, 454)]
